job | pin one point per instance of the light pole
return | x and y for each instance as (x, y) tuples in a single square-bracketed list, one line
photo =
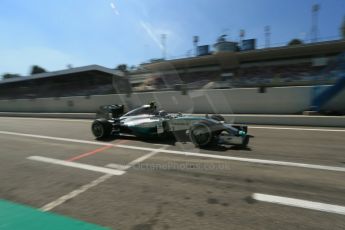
[(164, 48), (242, 34), (195, 43), (314, 28), (267, 36)]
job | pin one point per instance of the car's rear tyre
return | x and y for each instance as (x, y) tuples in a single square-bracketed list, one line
[(201, 134), (101, 128), (217, 117)]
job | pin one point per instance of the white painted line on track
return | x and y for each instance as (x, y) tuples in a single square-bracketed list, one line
[(136, 161), (75, 193), (48, 119), (94, 183), (55, 138), (117, 166), (300, 203), (162, 145), (141, 159), (250, 160), (242, 159), (76, 165), (297, 129)]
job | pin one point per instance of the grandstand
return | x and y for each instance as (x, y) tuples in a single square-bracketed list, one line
[(279, 66), (81, 81)]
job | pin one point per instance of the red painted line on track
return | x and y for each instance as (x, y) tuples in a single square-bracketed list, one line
[(89, 153), (94, 151)]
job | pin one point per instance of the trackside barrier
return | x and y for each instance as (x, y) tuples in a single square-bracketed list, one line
[(276, 100), (327, 94)]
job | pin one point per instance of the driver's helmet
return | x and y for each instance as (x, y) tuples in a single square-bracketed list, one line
[(153, 108), (162, 113), (153, 105)]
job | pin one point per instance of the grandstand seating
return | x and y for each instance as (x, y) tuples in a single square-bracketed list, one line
[(284, 66), (296, 74), (92, 83)]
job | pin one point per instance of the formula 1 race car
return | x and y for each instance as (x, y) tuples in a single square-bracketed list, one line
[(147, 121)]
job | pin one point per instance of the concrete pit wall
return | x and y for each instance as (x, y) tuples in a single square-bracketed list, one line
[(276, 100)]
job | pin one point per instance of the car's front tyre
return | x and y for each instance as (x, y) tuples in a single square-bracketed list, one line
[(201, 134), (245, 141)]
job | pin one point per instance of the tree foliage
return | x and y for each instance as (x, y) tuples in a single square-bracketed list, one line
[(295, 41), (10, 75), (35, 69), (122, 67)]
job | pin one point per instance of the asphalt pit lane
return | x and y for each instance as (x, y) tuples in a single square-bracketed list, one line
[(212, 201), (200, 214), (250, 200)]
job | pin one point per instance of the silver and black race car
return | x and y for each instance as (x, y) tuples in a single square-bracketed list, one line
[(149, 122)]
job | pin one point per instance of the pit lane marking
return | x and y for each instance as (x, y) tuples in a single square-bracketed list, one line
[(89, 153), (136, 161), (75, 193), (49, 119), (76, 165), (300, 203), (241, 159), (297, 129), (161, 145), (54, 138), (94, 183), (95, 151)]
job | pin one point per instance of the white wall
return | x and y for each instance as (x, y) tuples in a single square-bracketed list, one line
[(279, 100)]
